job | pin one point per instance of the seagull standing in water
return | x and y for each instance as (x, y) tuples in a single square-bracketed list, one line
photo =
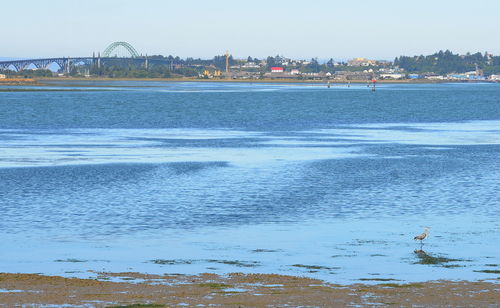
[(423, 235)]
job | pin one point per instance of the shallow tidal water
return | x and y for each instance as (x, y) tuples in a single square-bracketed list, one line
[(187, 178)]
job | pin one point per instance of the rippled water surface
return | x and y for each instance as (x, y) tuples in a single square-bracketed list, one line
[(225, 177)]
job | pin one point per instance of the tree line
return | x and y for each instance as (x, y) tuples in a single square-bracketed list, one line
[(445, 62)]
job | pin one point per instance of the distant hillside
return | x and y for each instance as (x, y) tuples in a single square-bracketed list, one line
[(444, 62)]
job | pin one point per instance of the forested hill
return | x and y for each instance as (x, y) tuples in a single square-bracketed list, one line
[(444, 62)]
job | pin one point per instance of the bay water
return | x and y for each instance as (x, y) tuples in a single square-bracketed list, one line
[(171, 177)]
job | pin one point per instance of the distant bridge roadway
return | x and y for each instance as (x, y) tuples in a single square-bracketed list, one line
[(65, 64)]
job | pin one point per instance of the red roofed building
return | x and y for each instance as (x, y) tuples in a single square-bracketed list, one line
[(277, 69)]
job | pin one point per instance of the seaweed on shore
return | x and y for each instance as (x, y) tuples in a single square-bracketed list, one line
[(378, 279), (213, 285), (397, 285), (139, 306)]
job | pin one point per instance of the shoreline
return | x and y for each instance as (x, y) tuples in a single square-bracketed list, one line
[(267, 80), (46, 81), (236, 290), (18, 82)]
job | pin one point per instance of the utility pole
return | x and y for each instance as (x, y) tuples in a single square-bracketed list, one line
[(227, 61)]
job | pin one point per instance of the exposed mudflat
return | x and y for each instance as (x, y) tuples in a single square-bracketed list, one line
[(236, 290)]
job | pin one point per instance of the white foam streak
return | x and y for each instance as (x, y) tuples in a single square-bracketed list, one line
[(23, 148)]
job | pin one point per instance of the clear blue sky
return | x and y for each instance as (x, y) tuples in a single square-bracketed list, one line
[(379, 29)]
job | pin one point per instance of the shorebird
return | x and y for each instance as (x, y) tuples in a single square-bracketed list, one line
[(423, 235)]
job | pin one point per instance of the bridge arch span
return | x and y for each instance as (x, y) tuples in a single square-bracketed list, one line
[(133, 53)]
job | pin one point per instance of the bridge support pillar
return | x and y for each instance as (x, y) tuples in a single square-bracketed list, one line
[(66, 68)]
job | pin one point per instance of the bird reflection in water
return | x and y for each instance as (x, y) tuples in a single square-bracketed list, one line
[(427, 258), (424, 258)]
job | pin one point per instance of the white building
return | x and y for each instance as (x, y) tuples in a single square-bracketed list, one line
[(250, 65), (435, 77), (361, 62), (392, 76)]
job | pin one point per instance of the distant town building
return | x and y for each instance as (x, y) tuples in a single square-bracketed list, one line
[(250, 65), (495, 77), (3, 76), (472, 75), (384, 62), (387, 70), (277, 69), (435, 77), (241, 75), (361, 62), (295, 72), (346, 75), (278, 75), (392, 76)]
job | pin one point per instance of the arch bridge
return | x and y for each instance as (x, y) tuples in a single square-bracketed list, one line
[(65, 64)]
